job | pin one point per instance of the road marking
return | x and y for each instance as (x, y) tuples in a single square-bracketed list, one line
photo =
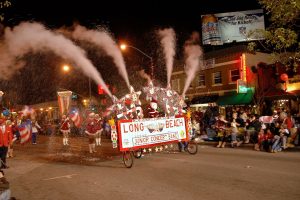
[(57, 177), (176, 159)]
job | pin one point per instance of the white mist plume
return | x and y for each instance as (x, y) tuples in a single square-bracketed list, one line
[(168, 40), (103, 40), (193, 54), (144, 75), (35, 37)]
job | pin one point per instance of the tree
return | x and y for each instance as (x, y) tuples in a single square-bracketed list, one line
[(3, 4), (281, 37)]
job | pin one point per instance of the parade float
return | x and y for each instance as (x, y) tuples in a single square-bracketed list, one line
[(135, 132)]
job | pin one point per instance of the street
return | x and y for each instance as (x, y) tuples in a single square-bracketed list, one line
[(84, 90), (211, 174)]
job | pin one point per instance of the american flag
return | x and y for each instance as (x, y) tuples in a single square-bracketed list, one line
[(75, 117), (25, 131), (27, 111)]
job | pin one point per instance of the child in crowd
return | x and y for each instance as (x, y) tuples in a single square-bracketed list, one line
[(284, 133), (220, 128), (259, 140), (267, 140)]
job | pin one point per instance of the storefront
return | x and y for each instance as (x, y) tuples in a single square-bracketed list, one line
[(202, 102), (240, 100), (280, 100)]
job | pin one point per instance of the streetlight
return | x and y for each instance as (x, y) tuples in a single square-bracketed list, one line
[(66, 68), (124, 46)]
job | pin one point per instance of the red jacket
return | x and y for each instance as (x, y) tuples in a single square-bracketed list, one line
[(98, 124), (65, 125), (91, 127), (6, 137)]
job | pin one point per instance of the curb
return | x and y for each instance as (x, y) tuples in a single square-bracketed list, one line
[(249, 145)]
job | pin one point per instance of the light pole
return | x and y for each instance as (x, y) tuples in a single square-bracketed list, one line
[(90, 93), (124, 46)]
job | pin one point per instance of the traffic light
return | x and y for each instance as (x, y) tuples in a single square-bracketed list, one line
[(74, 96)]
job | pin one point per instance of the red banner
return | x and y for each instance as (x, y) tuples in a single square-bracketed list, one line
[(64, 100)]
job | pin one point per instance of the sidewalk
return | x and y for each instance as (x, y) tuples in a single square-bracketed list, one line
[(215, 143), (248, 146)]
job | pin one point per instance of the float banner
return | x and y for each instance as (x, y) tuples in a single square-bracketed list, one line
[(144, 133)]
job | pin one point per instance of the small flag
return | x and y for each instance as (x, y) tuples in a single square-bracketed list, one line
[(75, 117), (25, 131)]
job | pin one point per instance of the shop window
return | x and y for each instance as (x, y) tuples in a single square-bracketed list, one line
[(234, 75), (217, 78)]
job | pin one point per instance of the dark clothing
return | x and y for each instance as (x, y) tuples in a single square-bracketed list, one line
[(254, 124), (276, 131), (240, 121), (34, 136), (257, 126), (3, 153)]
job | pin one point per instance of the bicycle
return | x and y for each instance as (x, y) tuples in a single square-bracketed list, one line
[(192, 145), (127, 158)]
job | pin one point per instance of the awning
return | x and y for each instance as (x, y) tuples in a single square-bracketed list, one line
[(236, 99), (295, 92), (204, 99), (279, 94)]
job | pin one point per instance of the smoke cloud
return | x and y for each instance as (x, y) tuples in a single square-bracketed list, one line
[(168, 39), (34, 37), (103, 40), (193, 61)]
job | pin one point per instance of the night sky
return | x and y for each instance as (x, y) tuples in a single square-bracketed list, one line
[(125, 18), (131, 21)]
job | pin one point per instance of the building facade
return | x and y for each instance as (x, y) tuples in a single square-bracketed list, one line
[(218, 76), (233, 76)]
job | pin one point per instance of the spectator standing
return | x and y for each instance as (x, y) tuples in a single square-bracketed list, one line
[(5, 141), (34, 130)]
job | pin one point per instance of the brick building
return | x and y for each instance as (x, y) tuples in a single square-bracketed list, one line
[(217, 81)]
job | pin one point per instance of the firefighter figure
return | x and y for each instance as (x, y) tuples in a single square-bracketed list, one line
[(65, 129), (91, 131)]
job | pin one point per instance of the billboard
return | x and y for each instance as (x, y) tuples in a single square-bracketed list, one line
[(221, 28)]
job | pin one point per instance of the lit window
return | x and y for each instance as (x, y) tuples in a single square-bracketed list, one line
[(176, 85), (217, 78), (234, 75), (201, 80)]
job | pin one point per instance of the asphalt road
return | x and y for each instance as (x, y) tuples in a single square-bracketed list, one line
[(216, 174)]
